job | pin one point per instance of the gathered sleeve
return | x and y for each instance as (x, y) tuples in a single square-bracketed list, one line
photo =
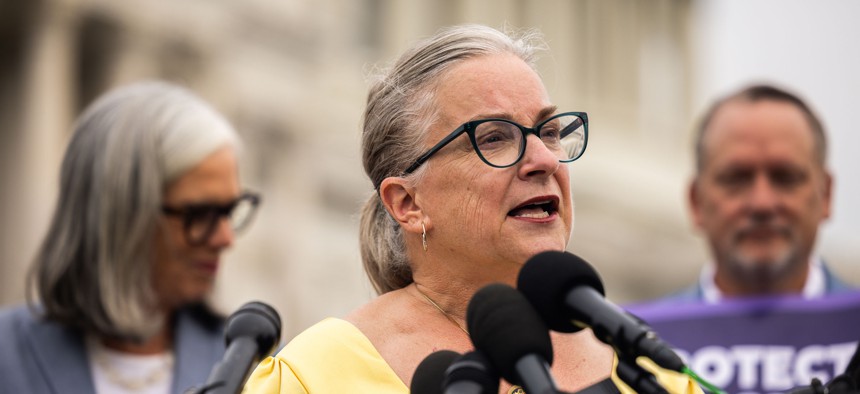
[(273, 375), (331, 357)]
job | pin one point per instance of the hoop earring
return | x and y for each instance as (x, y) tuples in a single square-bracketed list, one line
[(423, 236)]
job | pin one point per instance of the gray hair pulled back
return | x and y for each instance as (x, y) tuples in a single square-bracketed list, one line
[(398, 116)]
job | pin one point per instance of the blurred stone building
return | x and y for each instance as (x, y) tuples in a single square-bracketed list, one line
[(291, 76)]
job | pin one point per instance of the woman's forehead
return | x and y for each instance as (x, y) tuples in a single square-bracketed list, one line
[(500, 85)]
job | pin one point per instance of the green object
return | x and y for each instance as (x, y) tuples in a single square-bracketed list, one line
[(710, 387)]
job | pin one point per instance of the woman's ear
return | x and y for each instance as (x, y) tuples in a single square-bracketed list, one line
[(399, 199)]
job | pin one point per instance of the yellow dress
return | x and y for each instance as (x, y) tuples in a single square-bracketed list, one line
[(333, 356)]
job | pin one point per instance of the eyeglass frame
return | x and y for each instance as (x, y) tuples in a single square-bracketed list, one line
[(221, 210), (470, 127)]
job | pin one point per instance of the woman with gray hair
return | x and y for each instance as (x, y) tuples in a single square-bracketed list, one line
[(149, 199), (468, 157)]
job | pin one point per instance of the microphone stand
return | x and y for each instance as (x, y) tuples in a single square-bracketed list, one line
[(640, 380), (226, 380)]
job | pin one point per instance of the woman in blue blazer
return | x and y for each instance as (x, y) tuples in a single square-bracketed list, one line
[(149, 199)]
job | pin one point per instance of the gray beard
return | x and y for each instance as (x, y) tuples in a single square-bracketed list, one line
[(764, 274)]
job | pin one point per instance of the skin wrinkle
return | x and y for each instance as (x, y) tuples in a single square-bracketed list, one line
[(473, 207)]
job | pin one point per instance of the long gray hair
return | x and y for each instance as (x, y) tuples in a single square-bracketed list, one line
[(94, 268), (399, 114)]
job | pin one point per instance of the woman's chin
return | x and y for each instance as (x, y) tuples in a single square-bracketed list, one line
[(538, 247)]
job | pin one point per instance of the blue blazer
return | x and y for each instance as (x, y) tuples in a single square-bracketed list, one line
[(40, 356), (694, 293)]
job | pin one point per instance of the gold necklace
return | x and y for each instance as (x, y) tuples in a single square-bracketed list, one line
[(514, 388), (440, 309)]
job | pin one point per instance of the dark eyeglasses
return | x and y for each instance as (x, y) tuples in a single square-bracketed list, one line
[(501, 143), (201, 220)]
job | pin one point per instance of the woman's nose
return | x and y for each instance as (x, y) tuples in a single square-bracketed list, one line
[(224, 235), (538, 159)]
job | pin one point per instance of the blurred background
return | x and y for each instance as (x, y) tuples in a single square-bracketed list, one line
[(292, 77)]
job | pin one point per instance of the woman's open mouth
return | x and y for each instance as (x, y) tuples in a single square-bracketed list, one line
[(537, 208)]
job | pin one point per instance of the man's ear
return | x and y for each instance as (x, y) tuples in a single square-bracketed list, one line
[(694, 202), (827, 195), (399, 199)]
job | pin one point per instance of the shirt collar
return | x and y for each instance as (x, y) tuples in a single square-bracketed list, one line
[(815, 286)]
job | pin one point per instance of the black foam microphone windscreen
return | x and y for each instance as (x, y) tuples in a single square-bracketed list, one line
[(430, 373), (251, 333), (569, 295), (506, 328), (255, 320), (472, 372), (545, 280)]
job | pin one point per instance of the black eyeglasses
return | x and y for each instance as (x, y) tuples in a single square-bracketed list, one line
[(501, 143), (201, 220)]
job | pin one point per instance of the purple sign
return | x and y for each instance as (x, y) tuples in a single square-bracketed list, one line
[(764, 345)]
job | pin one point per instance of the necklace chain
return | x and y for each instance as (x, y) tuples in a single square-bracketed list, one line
[(514, 388), (440, 309)]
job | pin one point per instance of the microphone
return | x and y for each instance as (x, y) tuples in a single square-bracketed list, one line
[(569, 294), (845, 383), (852, 372), (430, 373), (472, 373), (507, 329), (251, 334), (448, 372)]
